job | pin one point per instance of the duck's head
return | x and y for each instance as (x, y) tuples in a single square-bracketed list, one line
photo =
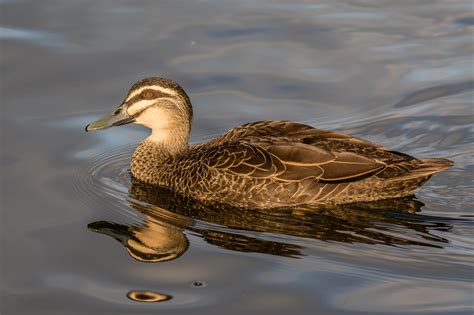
[(157, 103), (151, 242)]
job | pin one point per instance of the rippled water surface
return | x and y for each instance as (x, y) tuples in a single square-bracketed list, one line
[(79, 237)]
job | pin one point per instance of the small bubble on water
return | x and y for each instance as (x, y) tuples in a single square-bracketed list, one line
[(198, 284)]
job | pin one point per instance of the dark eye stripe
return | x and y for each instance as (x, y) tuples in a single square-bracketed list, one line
[(149, 94), (157, 94)]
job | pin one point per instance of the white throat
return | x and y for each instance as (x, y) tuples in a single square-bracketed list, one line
[(159, 136), (167, 130)]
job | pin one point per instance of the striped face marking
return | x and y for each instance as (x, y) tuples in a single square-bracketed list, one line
[(157, 88), (146, 96)]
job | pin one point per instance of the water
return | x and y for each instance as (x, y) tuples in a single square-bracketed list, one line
[(79, 237)]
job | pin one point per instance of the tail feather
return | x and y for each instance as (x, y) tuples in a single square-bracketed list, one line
[(427, 167), (433, 165)]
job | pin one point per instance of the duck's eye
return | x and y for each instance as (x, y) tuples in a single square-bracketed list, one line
[(148, 94)]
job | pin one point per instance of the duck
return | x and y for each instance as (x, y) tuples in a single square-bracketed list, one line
[(263, 164)]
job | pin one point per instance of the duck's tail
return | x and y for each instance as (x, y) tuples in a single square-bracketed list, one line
[(405, 184), (430, 166), (426, 168)]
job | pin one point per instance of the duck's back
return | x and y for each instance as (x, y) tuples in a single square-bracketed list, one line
[(281, 163)]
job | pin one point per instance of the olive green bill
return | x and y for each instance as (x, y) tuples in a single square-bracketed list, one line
[(116, 118)]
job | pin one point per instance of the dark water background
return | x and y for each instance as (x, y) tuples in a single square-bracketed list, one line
[(399, 73)]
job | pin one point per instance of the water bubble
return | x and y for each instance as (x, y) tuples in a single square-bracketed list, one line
[(198, 284)]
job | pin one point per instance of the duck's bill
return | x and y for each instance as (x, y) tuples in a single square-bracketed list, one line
[(117, 231), (116, 118)]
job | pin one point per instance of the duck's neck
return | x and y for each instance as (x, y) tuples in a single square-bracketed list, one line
[(170, 142), (155, 150)]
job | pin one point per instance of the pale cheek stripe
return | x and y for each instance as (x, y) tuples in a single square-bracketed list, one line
[(152, 87)]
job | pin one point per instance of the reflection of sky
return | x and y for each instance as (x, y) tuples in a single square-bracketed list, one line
[(456, 71), (396, 49), (427, 296), (109, 138), (127, 9), (354, 15), (37, 37), (362, 57)]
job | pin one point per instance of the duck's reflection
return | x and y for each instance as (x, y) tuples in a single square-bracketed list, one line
[(153, 241), (161, 237)]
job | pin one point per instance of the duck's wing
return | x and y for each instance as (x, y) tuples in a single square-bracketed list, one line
[(289, 161), (354, 158), (292, 131), (266, 128)]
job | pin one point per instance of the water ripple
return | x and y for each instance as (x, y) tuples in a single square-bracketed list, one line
[(435, 92)]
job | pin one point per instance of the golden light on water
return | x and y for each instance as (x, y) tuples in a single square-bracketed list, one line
[(148, 296)]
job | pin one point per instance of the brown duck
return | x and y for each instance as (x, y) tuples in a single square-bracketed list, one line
[(263, 164)]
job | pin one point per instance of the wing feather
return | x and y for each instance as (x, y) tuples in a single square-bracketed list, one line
[(243, 159), (291, 151), (295, 153), (349, 167), (290, 162)]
